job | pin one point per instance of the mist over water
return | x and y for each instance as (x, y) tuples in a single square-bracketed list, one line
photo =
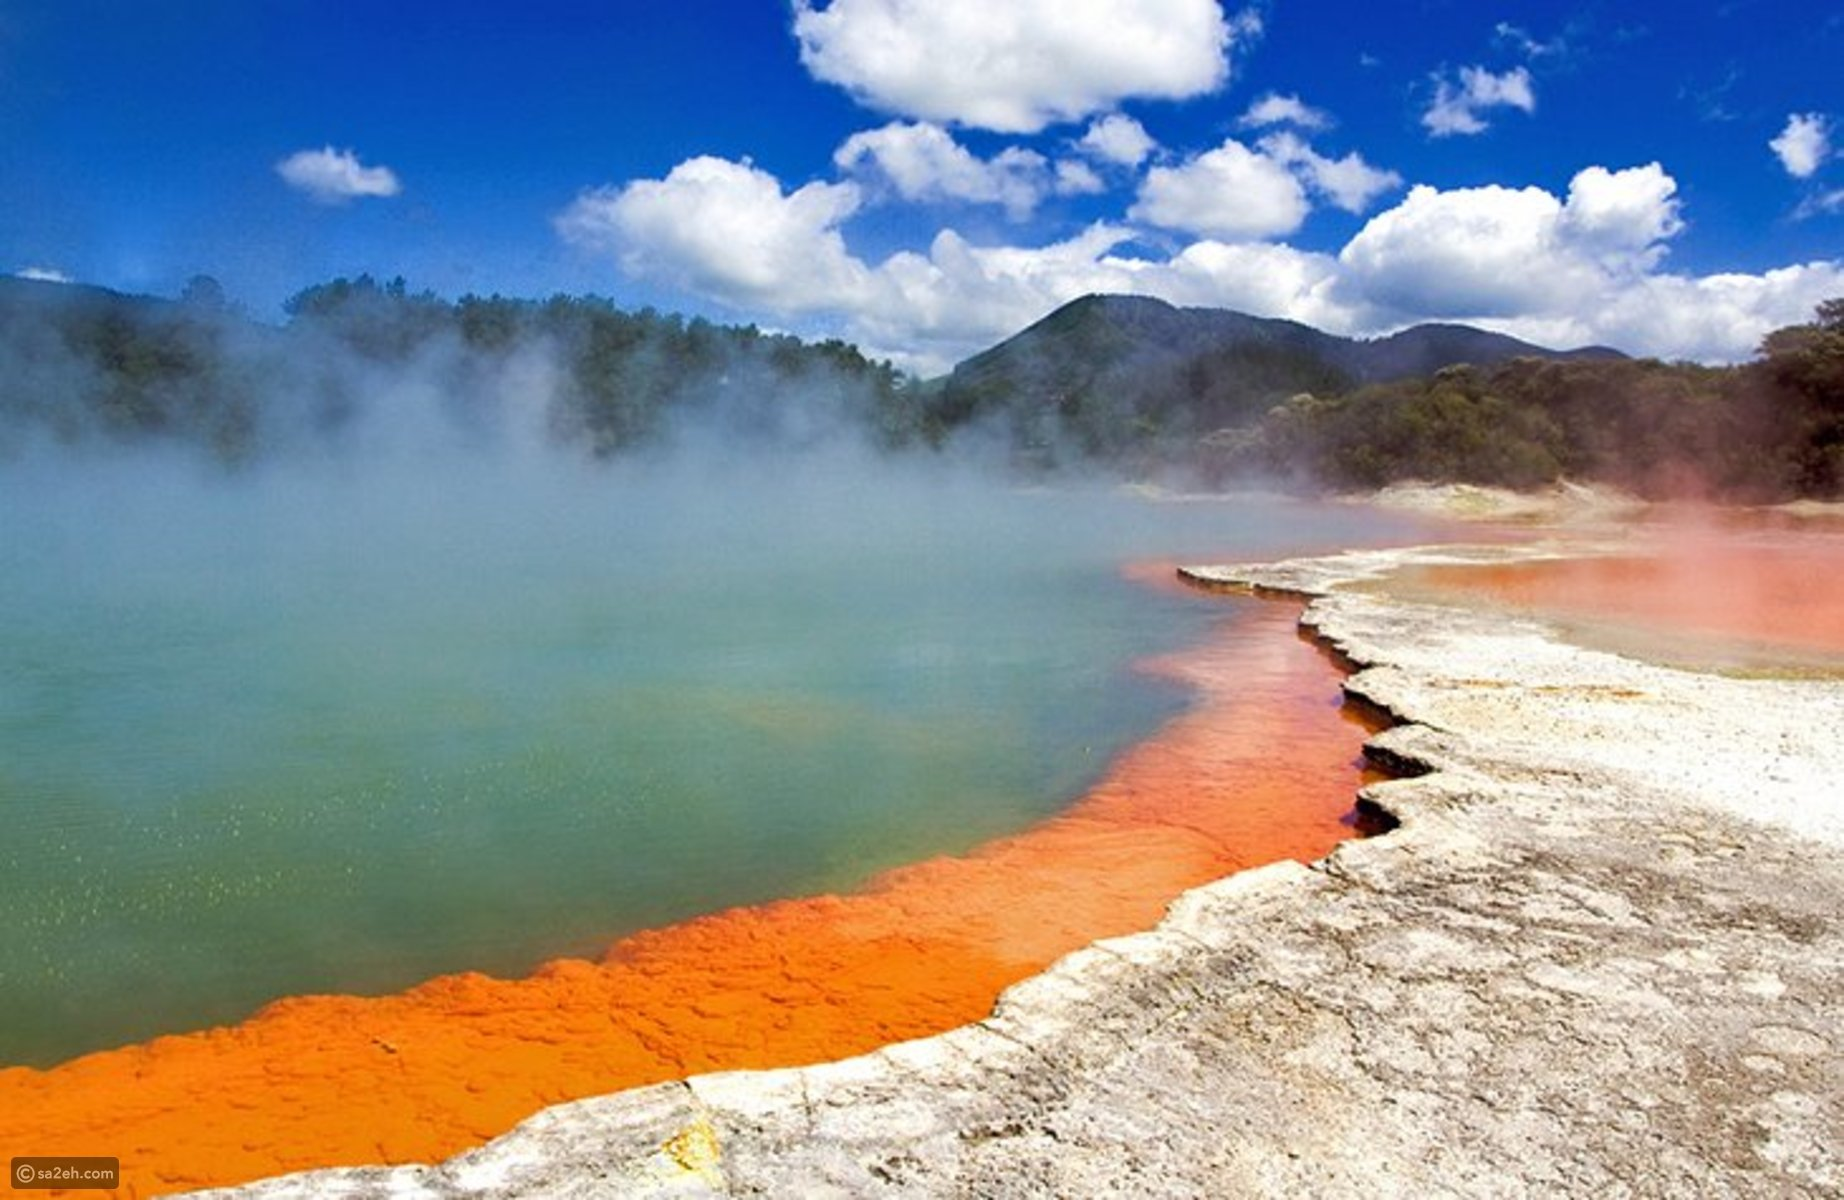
[(349, 720)]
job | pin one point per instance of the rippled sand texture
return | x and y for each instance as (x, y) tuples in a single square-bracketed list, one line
[(1262, 768)]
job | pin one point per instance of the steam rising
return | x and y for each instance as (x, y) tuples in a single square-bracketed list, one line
[(363, 369), (380, 650)]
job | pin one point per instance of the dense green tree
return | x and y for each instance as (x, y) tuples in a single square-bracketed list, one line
[(204, 294), (1810, 357), (1762, 431), (1808, 361)]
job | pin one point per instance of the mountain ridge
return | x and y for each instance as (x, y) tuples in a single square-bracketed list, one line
[(1107, 375), (1377, 358)]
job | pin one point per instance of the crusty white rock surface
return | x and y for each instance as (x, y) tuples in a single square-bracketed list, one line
[(1602, 955)]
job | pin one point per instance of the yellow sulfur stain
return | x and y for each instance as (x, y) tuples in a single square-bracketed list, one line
[(694, 1149)]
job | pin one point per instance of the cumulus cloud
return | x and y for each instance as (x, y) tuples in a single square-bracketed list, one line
[(1457, 105), (923, 162), (1348, 182), (726, 230), (1495, 251), (959, 298), (1019, 66), (1236, 193), (43, 275), (1076, 178), (1470, 252), (1232, 193), (1804, 145), (1622, 219), (1567, 270), (731, 233), (1709, 318), (335, 176), (1263, 278), (1117, 139), (1275, 109)]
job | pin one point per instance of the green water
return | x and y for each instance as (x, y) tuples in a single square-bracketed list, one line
[(331, 731)]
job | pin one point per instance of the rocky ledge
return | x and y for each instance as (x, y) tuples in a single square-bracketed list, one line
[(1600, 955)]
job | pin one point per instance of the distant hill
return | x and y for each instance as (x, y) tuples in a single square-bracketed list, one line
[(1425, 349), (1107, 375), (19, 294)]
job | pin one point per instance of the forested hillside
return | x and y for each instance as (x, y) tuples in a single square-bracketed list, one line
[(1767, 430), (80, 364), (1107, 385)]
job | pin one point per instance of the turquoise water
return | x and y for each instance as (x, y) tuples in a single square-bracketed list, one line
[(329, 730)]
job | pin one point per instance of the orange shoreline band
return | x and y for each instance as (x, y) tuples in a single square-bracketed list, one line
[(1262, 767), (1686, 581)]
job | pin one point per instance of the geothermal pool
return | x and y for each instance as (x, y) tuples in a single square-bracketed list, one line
[(1739, 591), (330, 730)]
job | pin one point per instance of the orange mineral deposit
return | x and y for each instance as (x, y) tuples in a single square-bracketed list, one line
[(1781, 591), (1262, 767)]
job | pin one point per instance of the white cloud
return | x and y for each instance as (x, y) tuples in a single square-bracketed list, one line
[(1231, 192), (1456, 107), (1710, 318), (1471, 252), (1262, 278), (1622, 218), (924, 163), (1349, 182), (1247, 25), (43, 275), (959, 298), (335, 176), (731, 233), (1118, 139), (1235, 193), (1275, 109), (1568, 270), (1076, 178), (1823, 202), (1559, 270), (1494, 251), (726, 230), (1520, 39), (1018, 66), (1804, 145)]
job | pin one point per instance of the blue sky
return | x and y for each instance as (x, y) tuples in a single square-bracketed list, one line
[(927, 176)]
